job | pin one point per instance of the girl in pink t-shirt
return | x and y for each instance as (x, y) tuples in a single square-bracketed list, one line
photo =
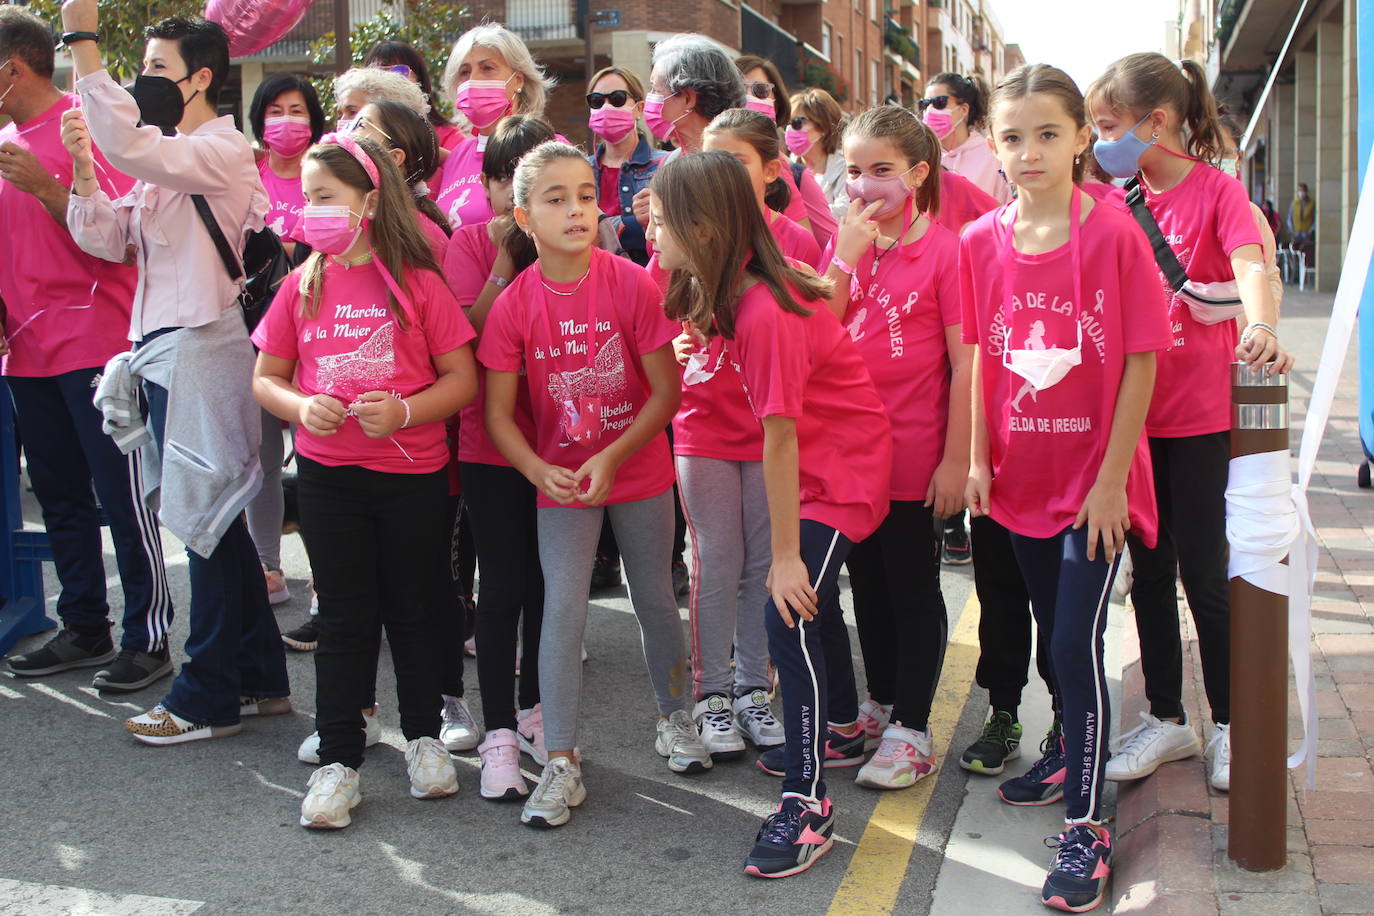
[(1158, 126), (585, 332), (898, 294), (366, 350), (825, 490), (482, 260), (1055, 295)]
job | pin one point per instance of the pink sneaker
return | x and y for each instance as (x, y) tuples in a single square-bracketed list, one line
[(904, 758), (501, 779), (873, 718), (529, 730)]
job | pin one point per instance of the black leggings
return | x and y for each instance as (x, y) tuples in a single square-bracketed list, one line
[(500, 502), (1069, 594), (900, 610), (1190, 487), (1004, 624)]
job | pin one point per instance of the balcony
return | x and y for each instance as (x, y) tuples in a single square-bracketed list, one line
[(542, 20), (900, 43)]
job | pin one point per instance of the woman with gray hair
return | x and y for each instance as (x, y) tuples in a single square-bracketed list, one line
[(355, 88), (693, 80), (490, 74)]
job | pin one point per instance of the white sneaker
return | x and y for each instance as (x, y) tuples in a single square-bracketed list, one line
[(333, 795), (560, 790), (1219, 751), (431, 769), (309, 751), (529, 731), (716, 724), (904, 757), (677, 739), (1140, 751), (755, 720), (1125, 576), (459, 731), (873, 718)]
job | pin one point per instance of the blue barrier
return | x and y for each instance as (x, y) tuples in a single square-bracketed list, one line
[(1365, 52), (22, 553)]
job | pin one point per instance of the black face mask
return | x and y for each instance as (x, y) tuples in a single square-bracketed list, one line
[(159, 101)]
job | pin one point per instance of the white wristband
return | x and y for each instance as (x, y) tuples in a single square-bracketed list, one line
[(406, 405)]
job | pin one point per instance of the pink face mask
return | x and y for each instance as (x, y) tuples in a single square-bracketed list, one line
[(653, 116), (762, 106), (798, 141), (484, 102), (940, 121), (612, 124), (891, 189), (286, 136), (330, 229)]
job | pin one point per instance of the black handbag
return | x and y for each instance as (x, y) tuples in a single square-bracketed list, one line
[(264, 262)]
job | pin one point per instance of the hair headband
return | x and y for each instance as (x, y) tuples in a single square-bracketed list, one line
[(351, 146)]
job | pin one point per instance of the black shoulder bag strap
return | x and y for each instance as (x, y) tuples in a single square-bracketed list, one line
[(1164, 255), (226, 254)]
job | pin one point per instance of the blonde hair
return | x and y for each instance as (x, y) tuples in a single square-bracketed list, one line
[(382, 85), (533, 95)]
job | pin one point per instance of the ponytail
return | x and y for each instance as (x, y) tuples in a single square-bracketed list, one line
[(969, 90), (1139, 83), (1205, 137)]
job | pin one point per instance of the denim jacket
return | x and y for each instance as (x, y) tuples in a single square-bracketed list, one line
[(635, 175)]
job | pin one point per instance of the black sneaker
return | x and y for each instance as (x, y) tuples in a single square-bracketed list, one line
[(133, 670), (682, 580), (791, 839), (1043, 783), (1001, 741), (605, 573), (956, 550), (304, 638), (65, 651), (840, 751), (1078, 877)]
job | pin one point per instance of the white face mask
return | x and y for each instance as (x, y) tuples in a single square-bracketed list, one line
[(1043, 367)]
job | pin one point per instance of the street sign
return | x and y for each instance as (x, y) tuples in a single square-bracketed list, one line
[(606, 18)]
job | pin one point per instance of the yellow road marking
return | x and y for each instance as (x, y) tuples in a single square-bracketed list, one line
[(879, 864)]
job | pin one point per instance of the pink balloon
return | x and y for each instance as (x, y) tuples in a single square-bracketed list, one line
[(254, 24)]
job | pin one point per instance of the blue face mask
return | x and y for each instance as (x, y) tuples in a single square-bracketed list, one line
[(1121, 157)]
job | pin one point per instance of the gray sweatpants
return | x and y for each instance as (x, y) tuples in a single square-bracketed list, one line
[(727, 514), (567, 548), (265, 511)]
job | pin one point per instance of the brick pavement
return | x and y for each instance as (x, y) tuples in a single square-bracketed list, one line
[(1171, 829)]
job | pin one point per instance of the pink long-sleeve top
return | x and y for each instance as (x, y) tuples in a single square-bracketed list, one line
[(181, 280)]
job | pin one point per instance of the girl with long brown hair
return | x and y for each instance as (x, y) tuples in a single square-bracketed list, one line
[(366, 349), (825, 490)]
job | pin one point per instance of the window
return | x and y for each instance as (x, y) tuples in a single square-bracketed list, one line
[(873, 82), (858, 74), (826, 37), (873, 10)]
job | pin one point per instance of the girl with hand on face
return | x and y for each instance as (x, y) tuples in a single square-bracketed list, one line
[(897, 292), (825, 491), (584, 332), (1158, 126), (366, 349), (624, 161), (287, 118), (1058, 295), (955, 107), (482, 259), (490, 74)]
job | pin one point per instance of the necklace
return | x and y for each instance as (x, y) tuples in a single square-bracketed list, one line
[(571, 292), (877, 258), (349, 264)]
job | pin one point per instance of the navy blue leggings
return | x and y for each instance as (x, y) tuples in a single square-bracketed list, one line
[(1069, 596), (815, 666)]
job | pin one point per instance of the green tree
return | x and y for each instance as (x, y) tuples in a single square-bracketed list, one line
[(430, 26), (121, 27)]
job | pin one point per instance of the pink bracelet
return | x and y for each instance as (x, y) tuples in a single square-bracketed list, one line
[(845, 268), (406, 405)]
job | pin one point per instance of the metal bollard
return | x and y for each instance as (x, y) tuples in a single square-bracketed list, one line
[(1257, 839)]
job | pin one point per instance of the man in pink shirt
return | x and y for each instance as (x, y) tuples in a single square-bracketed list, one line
[(65, 314)]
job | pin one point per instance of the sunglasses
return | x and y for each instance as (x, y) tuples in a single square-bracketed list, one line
[(760, 90), (798, 123), (618, 98), (939, 102), (401, 70)]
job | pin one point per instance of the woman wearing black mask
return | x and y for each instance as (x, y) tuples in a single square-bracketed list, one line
[(191, 354)]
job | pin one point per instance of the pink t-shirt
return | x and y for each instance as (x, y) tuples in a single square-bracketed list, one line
[(899, 307), (438, 239), (976, 161), (353, 345), (1106, 193), (1046, 447), (815, 205), (467, 265), (286, 200), (461, 196), (63, 309), (796, 243), (961, 201), (806, 368), (1204, 218), (448, 135), (586, 379)]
